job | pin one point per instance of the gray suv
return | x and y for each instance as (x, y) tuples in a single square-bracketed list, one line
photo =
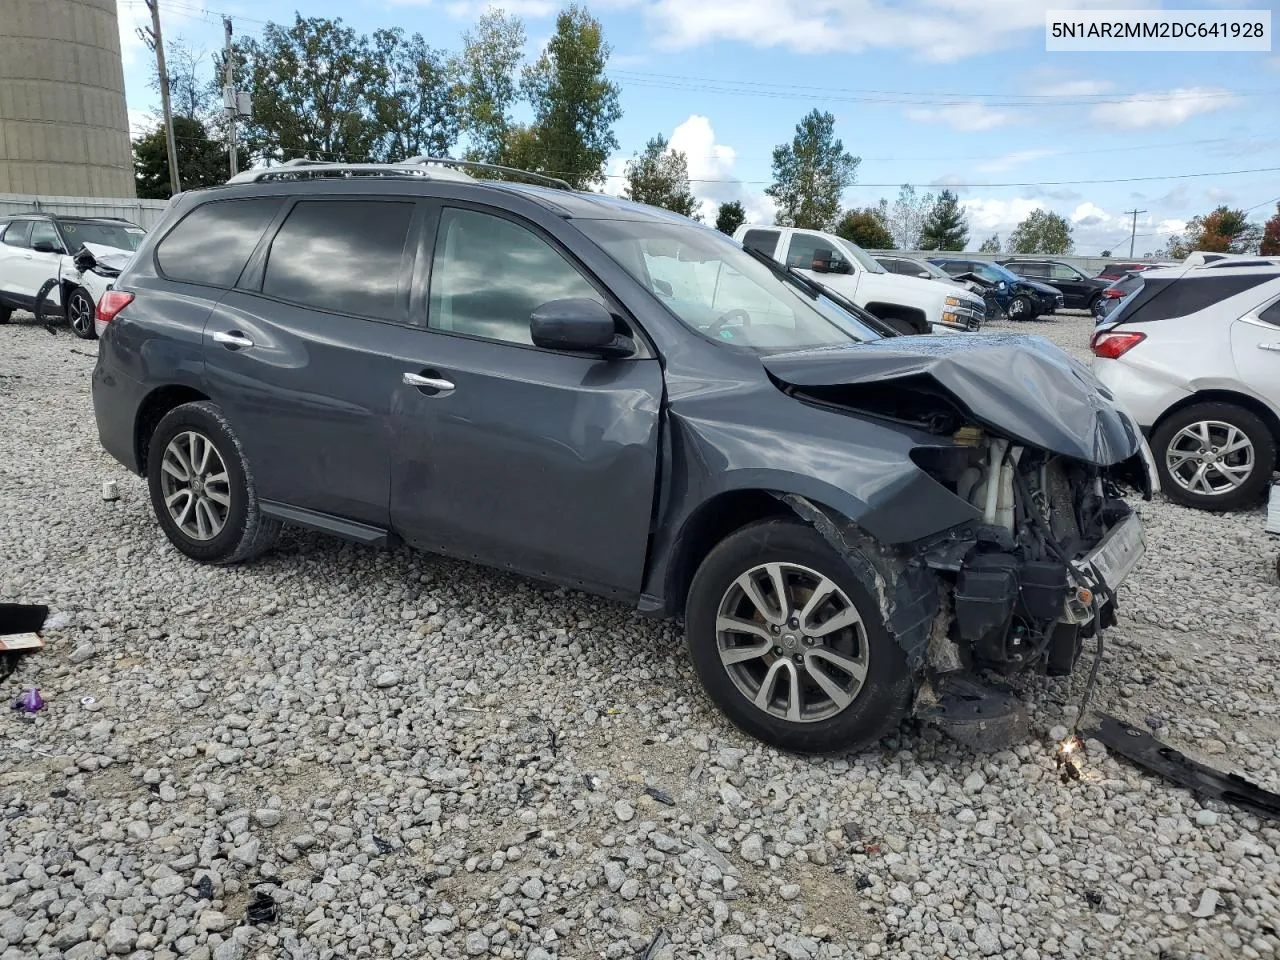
[(614, 398)]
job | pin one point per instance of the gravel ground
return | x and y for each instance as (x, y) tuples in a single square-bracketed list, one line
[(392, 755)]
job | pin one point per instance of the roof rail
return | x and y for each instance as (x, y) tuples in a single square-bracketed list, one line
[(492, 168), (300, 168)]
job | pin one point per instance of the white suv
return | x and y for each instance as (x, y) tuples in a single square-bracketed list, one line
[(1194, 354), (911, 304)]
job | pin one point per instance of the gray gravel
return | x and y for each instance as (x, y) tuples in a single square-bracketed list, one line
[(392, 755)]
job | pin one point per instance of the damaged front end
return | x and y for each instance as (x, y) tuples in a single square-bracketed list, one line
[(1026, 438)]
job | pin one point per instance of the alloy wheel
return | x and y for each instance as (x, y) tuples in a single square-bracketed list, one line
[(1209, 457), (80, 314), (195, 485), (792, 642)]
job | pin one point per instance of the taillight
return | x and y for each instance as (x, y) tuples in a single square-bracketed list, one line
[(111, 303), (1113, 346), (1113, 294)]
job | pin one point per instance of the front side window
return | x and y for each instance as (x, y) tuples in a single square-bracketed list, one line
[(343, 256), (18, 234), (490, 274), (803, 247), (44, 232), (717, 289), (212, 243)]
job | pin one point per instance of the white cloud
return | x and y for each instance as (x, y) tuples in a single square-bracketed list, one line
[(991, 215), (970, 115), (1093, 228), (1011, 160), (1165, 109), (936, 30), (1089, 214), (710, 171)]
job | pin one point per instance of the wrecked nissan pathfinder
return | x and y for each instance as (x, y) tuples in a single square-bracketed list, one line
[(614, 398)]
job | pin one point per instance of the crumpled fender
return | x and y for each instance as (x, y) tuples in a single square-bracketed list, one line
[(906, 590)]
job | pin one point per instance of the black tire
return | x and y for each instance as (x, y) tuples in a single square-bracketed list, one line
[(245, 532), (1249, 490), (1093, 304), (80, 310), (876, 708), (1021, 308), (5, 314)]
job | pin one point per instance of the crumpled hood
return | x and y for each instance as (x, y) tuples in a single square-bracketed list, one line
[(113, 258), (1022, 386)]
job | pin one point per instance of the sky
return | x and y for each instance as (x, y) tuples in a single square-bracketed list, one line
[(935, 93)]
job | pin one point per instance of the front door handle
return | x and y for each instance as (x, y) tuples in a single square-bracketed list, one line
[(232, 340), (432, 386)]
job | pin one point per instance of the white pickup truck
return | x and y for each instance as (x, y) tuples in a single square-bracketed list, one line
[(911, 304)]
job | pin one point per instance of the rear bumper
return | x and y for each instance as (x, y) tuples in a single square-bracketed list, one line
[(116, 400)]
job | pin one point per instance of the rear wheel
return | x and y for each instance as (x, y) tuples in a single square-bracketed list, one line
[(1216, 456), (790, 643), (202, 490), (1020, 308), (5, 314), (80, 314)]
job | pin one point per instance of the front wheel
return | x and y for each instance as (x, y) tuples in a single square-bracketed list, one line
[(1020, 308), (790, 643), (80, 314), (202, 490), (1215, 456)]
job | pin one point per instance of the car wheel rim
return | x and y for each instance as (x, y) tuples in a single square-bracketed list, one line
[(80, 313), (1016, 308), (195, 486), (1210, 458), (792, 642)]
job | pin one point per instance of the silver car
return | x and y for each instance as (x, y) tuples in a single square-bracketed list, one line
[(1193, 352)]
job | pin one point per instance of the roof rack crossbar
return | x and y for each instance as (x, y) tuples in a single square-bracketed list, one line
[(492, 168)]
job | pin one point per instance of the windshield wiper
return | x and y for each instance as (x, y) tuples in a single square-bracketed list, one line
[(809, 286)]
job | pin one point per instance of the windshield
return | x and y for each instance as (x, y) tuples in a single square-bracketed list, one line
[(865, 260), (123, 236), (720, 291), (993, 271)]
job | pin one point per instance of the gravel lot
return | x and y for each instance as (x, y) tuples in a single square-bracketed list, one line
[(393, 755)]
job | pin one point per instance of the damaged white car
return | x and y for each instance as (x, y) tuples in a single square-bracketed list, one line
[(49, 261)]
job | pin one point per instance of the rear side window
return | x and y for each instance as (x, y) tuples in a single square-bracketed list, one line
[(761, 241), (343, 256), (213, 242), (1271, 314), (18, 234), (1160, 299), (1037, 270)]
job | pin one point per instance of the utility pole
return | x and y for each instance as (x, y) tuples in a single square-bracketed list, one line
[(1133, 232), (154, 7), (229, 95)]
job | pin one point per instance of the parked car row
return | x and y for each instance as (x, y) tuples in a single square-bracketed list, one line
[(72, 260)]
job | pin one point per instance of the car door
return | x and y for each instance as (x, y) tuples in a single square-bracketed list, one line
[(535, 460), (1255, 346), (1075, 287), (306, 354), (43, 261)]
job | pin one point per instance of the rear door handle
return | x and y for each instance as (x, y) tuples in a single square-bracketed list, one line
[(432, 386), (232, 340), (1275, 347)]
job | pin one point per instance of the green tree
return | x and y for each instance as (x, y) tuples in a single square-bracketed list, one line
[(660, 178), (489, 69), (195, 92), (810, 174), (1105, 253), (1041, 232), (1221, 230), (1270, 246), (202, 160), (730, 217), (574, 104), (908, 216), (991, 244), (417, 100), (314, 86), (946, 227), (866, 227)]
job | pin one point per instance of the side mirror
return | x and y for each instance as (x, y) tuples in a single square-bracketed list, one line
[(579, 325), (924, 275), (824, 261), (1001, 285), (46, 246)]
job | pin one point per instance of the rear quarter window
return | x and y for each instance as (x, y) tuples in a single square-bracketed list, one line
[(1161, 299), (212, 243)]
